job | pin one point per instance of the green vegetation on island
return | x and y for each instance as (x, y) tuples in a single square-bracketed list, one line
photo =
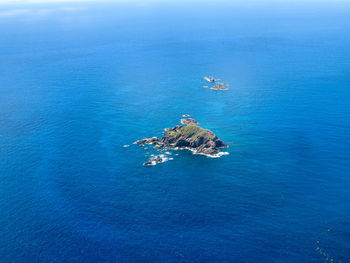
[(190, 136)]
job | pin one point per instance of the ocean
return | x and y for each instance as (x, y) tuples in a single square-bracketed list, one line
[(80, 80)]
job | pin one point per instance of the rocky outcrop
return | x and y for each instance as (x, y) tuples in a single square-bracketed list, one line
[(219, 87), (191, 136), (144, 141), (189, 121), (156, 159)]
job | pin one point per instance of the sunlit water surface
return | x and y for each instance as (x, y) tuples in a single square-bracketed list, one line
[(79, 81)]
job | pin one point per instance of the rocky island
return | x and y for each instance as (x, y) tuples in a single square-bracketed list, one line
[(220, 86), (194, 138), (190, 137), (189, 121)]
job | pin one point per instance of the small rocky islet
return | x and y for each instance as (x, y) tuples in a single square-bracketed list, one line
[(188, 136), (189, 121), (218, 85)]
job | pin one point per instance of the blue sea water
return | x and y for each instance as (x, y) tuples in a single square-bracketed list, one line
[(79, 81)]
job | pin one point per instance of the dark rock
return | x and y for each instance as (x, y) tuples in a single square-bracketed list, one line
[(191, 136), (147, 163), (194, 138), (153, 140), (155, 160)]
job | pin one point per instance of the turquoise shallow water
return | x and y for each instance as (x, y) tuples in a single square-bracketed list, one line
[(78, 83)]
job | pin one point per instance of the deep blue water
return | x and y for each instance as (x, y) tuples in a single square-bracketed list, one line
[(78, 81)]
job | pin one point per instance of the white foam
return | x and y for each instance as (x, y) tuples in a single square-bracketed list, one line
[(217, 155)]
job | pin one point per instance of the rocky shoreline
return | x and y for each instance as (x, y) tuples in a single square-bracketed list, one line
[(190, 137)]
